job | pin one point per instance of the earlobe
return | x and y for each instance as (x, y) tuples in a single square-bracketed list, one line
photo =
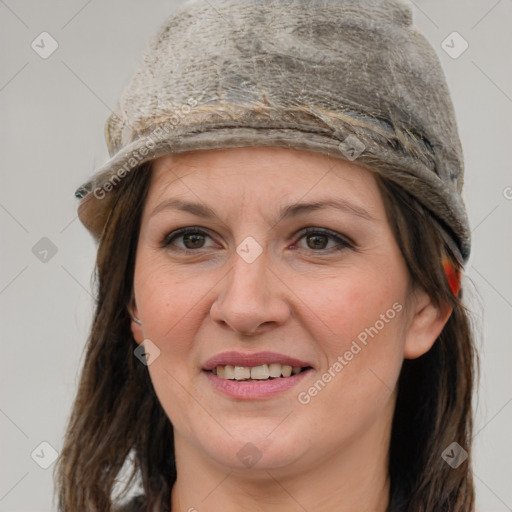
[(136, 324), (425, 326)]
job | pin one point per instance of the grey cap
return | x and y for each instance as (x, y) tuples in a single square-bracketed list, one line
[(353, 79)]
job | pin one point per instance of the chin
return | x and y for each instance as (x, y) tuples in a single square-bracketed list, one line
[(255, 449)]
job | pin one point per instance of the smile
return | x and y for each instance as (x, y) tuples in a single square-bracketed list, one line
[(255, 373)]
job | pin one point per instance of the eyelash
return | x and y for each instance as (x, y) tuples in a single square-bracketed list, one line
[(344, 243)]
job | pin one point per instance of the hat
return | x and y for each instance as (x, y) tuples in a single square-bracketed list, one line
[(353, 79)]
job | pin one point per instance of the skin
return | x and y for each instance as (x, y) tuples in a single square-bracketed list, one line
[(299, 297)]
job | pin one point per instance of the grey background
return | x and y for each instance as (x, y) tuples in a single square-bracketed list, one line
[(51, 139)]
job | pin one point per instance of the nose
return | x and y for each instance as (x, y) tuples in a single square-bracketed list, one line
[(252, 298)]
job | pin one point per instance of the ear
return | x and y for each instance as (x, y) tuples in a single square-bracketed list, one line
[(136, 329), (425, 325)]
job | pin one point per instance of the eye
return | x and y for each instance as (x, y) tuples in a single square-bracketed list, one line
[(193, 238), (317, 239)]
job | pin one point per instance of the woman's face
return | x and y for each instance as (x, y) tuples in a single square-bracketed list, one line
[(248, 294)]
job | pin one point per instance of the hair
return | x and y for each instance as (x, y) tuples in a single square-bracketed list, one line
[(117, 415)]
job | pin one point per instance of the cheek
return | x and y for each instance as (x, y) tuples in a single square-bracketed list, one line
[(355, 305), (170, 305), (360, 333), (169, 301)]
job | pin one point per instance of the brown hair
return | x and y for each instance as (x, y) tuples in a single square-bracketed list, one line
[(117, 415), (435, 391)]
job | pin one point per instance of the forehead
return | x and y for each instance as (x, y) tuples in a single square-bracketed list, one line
[(263, 184), (269, 171)]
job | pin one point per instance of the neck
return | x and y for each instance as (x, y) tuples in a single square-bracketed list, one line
[(353, 479)]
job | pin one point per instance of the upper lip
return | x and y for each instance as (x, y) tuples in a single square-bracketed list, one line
[(255, 359)]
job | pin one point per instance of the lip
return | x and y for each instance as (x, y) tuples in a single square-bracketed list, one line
[(253, 390), (234, 358)]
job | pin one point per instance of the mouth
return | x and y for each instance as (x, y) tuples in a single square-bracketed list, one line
[(254, 366), (253, 376), (262, 372)]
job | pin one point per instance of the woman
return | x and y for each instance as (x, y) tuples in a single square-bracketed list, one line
[(279, 320)]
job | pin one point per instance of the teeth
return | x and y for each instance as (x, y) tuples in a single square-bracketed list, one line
[(229, 372), (274, 370), (262, 372), (286, 370), (242, 373)]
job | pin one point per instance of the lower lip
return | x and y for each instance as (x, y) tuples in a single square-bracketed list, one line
[(251, 390)]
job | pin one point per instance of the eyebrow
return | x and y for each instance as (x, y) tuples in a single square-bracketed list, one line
[(289, 211)]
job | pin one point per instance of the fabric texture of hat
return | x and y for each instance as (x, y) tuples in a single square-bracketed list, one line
[(353, 79)]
